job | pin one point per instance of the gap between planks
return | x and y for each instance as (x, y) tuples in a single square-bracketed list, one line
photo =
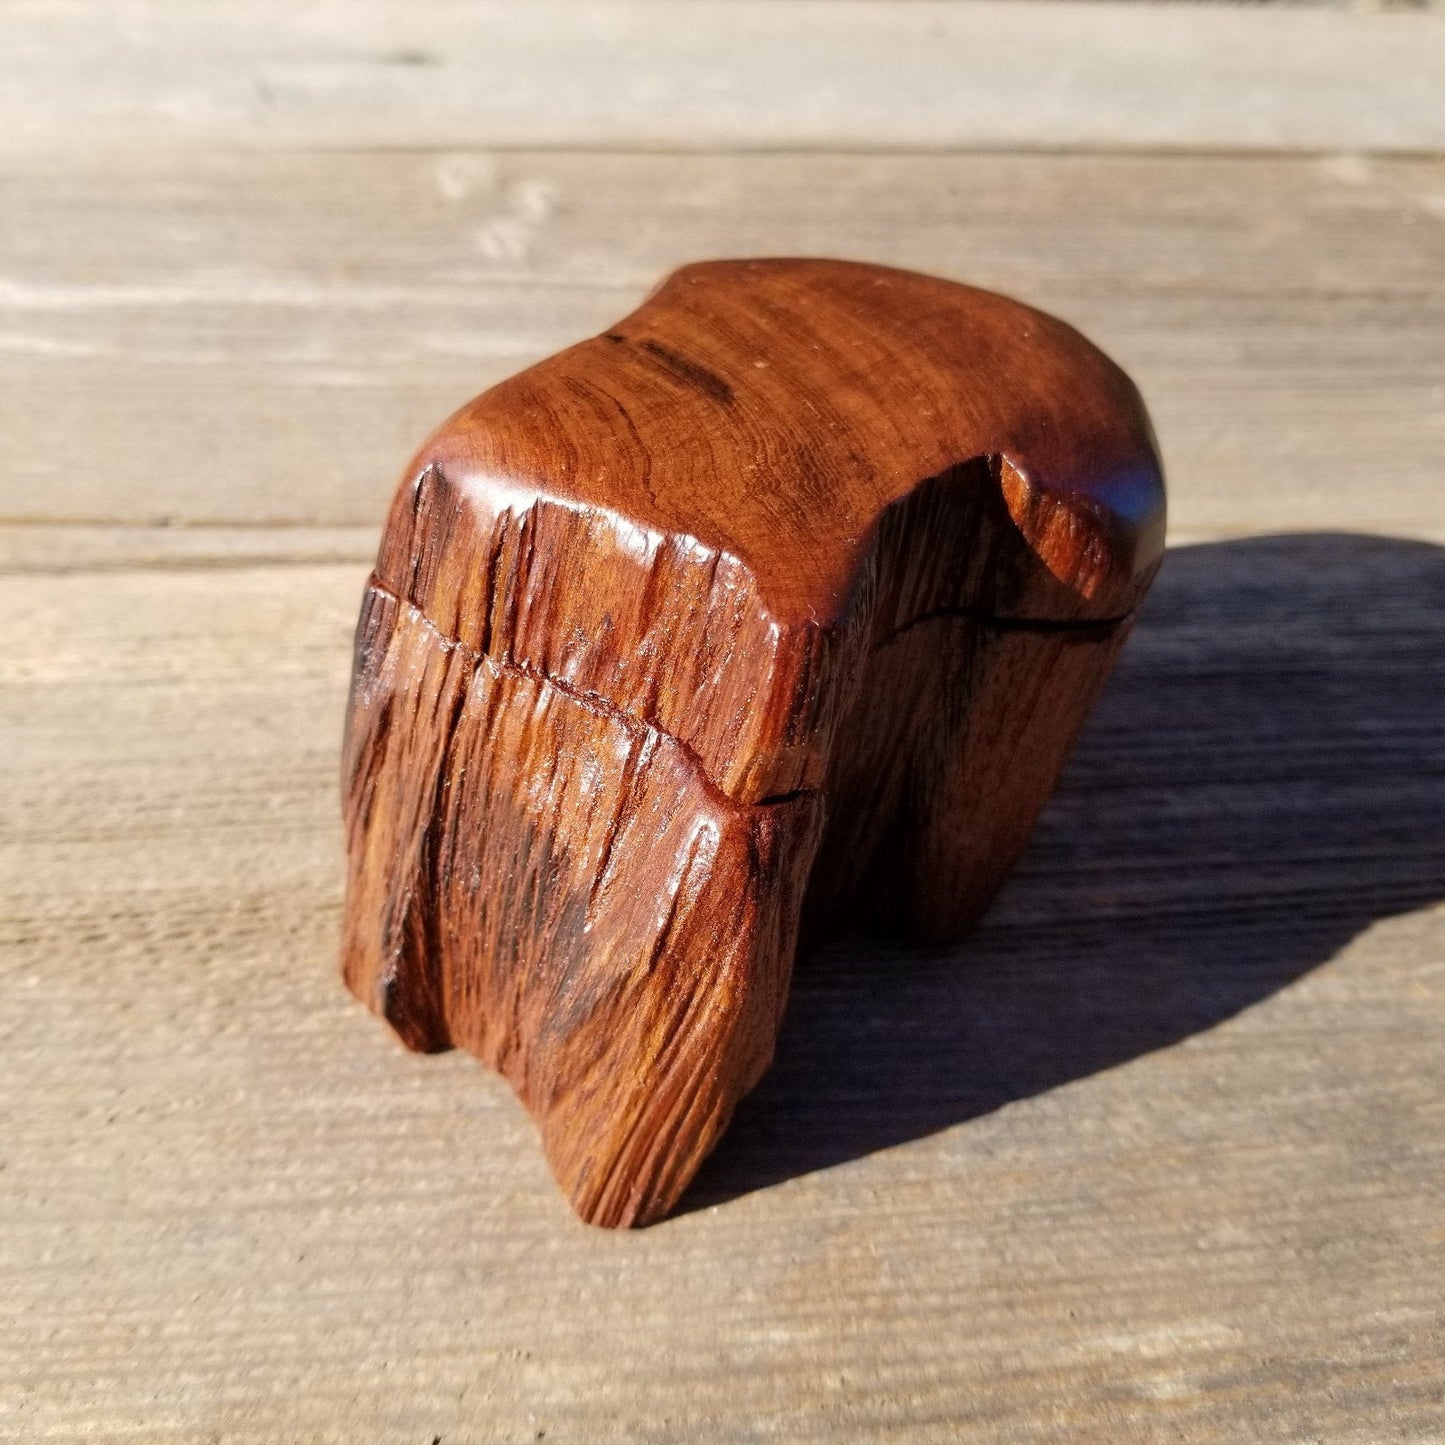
[(48, 549)]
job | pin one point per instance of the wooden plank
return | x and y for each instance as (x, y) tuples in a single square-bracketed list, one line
[(244, 339), (1157, 1154), (720, 74)]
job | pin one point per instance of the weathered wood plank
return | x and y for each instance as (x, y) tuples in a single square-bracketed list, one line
[(1158, 1154), (710, 74), (265, 339)]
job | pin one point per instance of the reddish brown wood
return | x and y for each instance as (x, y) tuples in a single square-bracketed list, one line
[(777, 605)]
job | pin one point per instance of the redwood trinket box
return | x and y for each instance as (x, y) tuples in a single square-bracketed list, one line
[(770, 611)]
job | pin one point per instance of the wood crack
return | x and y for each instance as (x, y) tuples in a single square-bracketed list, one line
[(1087, 625), (594, 702)]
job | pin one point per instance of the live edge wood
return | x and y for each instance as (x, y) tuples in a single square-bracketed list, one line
[(772, 610)]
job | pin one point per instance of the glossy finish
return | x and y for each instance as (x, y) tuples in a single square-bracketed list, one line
[(776, 606)]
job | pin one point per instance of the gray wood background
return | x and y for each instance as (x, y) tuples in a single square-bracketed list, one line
[(1158, 1155)]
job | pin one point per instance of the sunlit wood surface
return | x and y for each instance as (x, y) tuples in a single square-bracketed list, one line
[(1159, 1154)]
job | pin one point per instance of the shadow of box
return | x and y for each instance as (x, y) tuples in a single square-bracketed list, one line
[(1262, 780)]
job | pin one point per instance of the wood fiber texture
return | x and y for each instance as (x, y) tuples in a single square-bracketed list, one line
[(777, 604)]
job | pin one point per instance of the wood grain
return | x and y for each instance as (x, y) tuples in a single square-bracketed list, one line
[(263, 339), (799, 579), (720, 74), (1156, 1154)]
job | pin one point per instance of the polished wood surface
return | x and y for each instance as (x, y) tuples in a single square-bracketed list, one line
[(774, 410), (778, 604)]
